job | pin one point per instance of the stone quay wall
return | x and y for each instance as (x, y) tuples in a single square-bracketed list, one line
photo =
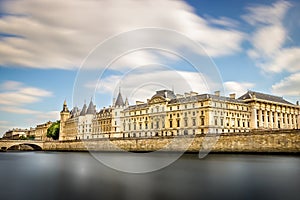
[(258, 141)]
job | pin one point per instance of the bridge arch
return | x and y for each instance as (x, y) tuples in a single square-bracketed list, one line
[(35, 147)]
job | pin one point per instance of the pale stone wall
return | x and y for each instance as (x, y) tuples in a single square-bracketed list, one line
[(283, 141)]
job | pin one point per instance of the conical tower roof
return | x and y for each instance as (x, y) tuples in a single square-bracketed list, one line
[(119, 101), (65, 107), (91, 108), (83, 111)]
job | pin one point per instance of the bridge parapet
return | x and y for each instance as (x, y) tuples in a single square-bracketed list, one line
[(6, 144)]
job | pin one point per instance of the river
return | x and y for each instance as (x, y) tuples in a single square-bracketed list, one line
[(73, 175)]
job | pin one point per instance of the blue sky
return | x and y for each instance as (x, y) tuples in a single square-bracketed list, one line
[(254, 45)]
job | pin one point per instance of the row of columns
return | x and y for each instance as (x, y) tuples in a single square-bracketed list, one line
[(264, 119)]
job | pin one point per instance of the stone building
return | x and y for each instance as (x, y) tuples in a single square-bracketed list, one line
[(40, 131), (107, 122), (169, 114), (77, 124), (15, 134), (271, 112)]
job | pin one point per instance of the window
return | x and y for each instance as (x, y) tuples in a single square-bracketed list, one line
[(194, 122), (178, 123), (178, 107), (171, 124), (146, 125), (186, 123), (177, 114), (194, 113), (157, 124), (171, 108), (202, 121)]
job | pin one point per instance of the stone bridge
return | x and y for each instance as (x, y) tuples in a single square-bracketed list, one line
[(16, 144)]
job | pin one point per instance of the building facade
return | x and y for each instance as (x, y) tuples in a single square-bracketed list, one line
[(169, 114), (15, 134)]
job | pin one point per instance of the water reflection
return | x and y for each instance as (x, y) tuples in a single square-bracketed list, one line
[(57, 175)]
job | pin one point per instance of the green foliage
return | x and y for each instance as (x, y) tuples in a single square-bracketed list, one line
[(31, 137), (22, 137), (53, 130)]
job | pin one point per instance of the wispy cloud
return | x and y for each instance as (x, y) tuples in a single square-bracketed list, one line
[(59, 34), (288, 86), (14, 93), (269, 49), (239, 88), (270, 34), (14, 96)]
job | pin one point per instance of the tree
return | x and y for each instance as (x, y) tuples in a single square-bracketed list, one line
[(22, 137), (53, 130)]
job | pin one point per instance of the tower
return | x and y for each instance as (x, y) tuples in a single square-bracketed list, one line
[(64, 116)]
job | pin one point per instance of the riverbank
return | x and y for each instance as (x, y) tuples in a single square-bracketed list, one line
[(287, 141)]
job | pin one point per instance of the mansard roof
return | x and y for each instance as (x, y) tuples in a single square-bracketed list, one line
[(164, 94), (261, 96), (201, 97)]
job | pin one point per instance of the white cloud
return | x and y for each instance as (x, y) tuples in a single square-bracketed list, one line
[(286, 60), (267, 14), (16, 93), (268, 40), (59, 34), (288, 86), (11, 85), (269, 37), (18, 110), (142, 83), (239, 88), (223, 21)]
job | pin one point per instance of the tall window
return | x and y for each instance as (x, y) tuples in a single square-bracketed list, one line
[(171, 124), (202, 121), (194, 122), (178, 123)]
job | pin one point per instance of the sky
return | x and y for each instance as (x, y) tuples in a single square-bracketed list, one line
[(79, 50)]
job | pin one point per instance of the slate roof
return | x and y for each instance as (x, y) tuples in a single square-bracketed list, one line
[(263, 96), (119, 101), (91, 109), (83, 111), (165, 94)]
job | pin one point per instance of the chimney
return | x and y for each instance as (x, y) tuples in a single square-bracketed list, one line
[(232, 96), (297, 103), (179, 95), (186, 94), (217, 93), (139, 102), (193, 93)]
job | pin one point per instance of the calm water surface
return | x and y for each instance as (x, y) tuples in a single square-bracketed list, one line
[(58, 175)]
